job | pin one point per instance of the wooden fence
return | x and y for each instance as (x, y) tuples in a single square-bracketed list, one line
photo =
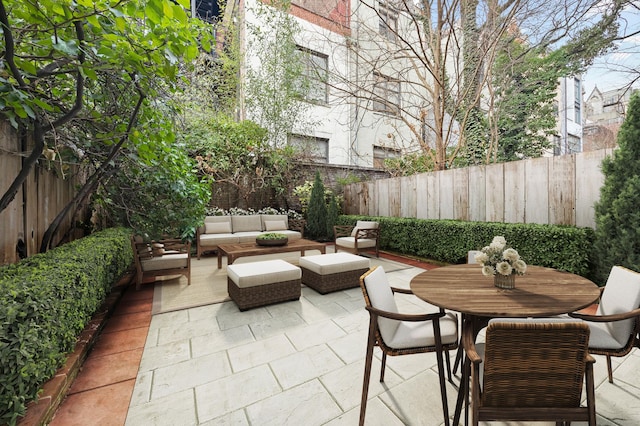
[(549, 190), (42, 196)]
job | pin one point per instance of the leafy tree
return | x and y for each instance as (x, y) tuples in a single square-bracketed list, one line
[(617, 216), (238, 154), (317, 211), (78, 75), (275, 81)]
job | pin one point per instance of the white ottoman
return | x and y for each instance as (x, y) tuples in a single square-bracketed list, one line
[(334, 271), (262, 283)]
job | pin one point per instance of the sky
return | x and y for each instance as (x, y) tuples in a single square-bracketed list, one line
[(617, 68)]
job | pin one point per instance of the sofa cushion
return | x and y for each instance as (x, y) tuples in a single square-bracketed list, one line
[(246, 223), (167, 261), (247, 236), (214, 240), (214, 219), (274, 225), (217, 227), (274, 217)]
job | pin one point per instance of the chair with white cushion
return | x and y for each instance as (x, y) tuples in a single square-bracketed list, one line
[(616, 324), (355, 239), (402, 334)]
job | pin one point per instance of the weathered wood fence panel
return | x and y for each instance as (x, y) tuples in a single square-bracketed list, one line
[(556, 190), (42, 196)]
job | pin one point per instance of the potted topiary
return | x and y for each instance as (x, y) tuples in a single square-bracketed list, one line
[(272, 239)]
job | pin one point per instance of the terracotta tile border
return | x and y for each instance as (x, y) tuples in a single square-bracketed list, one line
[(41, 411)]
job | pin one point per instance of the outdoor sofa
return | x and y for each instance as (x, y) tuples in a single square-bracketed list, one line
[(243, 229)]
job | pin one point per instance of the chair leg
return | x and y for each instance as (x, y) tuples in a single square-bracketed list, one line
[(458, 359), (448, 363), (384, 365), (443, 385), (367, 369), (609, 370)]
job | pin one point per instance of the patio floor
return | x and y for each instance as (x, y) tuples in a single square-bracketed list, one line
[(294, 363)]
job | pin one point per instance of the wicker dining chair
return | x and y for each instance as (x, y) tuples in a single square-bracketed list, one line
[(531, 370), (403, 334), (616, 323)]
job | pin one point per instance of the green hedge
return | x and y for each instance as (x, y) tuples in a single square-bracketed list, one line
[(45, 302), (566, 248)]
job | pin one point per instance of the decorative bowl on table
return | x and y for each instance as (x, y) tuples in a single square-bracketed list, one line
[(272, 239)]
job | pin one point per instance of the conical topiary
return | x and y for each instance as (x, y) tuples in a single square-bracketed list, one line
[(317, 211), (617, 214)]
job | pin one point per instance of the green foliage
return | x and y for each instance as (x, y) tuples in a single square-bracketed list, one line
[(616, 213), (275, 79), (317, 211), (45, 302), (239, 154), (332, 214), (555, 246), (157, 190)]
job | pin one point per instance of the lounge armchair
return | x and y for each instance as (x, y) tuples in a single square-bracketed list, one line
[(356, 239), (161, 258)]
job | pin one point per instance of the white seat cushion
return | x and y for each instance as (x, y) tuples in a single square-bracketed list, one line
[(334, 263), (621, 294), (166, 261), (261, 273), (351, 242), (404, 334)]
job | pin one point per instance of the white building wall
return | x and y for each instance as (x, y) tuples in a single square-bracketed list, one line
[(345, 120)]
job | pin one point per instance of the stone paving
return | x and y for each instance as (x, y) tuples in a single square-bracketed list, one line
[(301, 363)]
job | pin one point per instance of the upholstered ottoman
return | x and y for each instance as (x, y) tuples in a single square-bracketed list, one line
[(334, 271), (262, 283)]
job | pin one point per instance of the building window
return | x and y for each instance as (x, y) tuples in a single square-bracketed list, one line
[(573, 144), (314, 72), (577, 101), (381, 153), (315, 150), (388, 23), (207, 10), (386, 93)]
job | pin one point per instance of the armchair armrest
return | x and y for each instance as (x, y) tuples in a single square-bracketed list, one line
[(606, 318), (342, 231), (470, 346), (405, 317)]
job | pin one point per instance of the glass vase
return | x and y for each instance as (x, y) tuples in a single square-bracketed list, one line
[(504, 281)]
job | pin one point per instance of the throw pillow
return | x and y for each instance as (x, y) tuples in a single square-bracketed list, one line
[(275, 225), (217, 228)]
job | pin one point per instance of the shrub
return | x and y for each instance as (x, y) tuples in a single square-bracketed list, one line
[(556, 246), (317, 211), (45, 302), (617, 219)]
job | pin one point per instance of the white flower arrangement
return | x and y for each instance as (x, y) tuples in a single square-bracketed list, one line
[(498, 258)]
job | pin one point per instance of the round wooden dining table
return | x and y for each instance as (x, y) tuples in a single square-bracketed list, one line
[(540, 292)]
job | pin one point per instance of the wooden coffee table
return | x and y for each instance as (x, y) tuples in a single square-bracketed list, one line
[(234, 251)]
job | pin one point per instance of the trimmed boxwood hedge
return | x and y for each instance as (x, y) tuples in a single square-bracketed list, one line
[(45, 302), (566, 248)]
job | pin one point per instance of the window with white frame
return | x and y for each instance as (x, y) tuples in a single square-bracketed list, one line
[(388, 23), (386, 91), (314, 149), (314, 71)]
